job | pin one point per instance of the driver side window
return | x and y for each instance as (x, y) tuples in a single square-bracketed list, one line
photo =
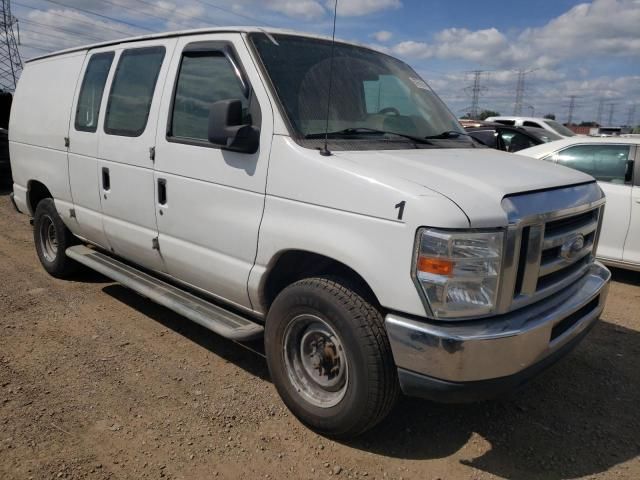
[(203, 79)]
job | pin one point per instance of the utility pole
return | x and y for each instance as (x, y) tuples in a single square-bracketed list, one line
[(631, 115), (517, 107), (599, 114), (572, 106), (612, 107), (10, 61), (476, 88)]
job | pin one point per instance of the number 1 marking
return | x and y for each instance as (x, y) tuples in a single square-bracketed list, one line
[(400, 207)]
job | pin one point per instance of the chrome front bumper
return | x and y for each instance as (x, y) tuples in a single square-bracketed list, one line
[(502, 346)]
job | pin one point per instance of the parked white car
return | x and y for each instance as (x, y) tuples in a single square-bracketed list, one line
[(535, 122), (615, 163), (395, 255)]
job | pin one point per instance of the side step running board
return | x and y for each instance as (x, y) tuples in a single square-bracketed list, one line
[(209, 315)]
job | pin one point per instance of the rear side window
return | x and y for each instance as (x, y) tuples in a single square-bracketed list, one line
[(132, 91), (95, 77), (204, 78), (607, 163), (531, 124)]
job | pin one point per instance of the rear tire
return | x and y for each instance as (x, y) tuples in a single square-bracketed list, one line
[(330, 358), (52, 238)]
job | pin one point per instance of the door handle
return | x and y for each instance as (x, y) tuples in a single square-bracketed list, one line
[(162, 191), (106, 179)]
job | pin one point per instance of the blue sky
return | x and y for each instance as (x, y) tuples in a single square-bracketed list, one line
[(590, 49)]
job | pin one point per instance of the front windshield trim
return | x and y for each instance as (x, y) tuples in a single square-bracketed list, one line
[(271, 88), (299, 136)]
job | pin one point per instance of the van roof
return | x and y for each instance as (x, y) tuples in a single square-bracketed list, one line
[(180, 33)]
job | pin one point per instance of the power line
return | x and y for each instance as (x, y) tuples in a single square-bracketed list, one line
[(217, 7), (517, 107), (599, 114), (572, 106), (47, 34), (173, 11), (89, 12), (72, 32), (142, 12), (58, 14), (476, 89), (34, 47), (520, 89), (631, 115), (612, 107)]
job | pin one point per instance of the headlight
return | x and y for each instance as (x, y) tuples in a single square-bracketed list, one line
[(458, 272)]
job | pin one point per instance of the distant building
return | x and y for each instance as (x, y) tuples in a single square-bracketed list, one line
[(580, 130), (599, 131)]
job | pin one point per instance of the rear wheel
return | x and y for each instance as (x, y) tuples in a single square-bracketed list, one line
[(330, 358), (52, 238)]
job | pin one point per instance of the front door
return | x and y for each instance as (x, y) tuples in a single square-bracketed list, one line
[(632, 244), (125, 168), (211, 200), (610, 165)]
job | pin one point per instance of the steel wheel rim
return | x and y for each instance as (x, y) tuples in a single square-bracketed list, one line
[(316, 361), (48, 238)]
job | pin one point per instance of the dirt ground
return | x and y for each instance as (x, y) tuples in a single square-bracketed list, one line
[(97, 382)]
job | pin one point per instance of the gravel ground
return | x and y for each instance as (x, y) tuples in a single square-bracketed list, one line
[(97, 382)]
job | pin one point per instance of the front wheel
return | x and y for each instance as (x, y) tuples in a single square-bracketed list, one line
[(52, 238), (330, 358)]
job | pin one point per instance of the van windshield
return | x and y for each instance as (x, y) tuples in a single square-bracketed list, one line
[(375, 98)]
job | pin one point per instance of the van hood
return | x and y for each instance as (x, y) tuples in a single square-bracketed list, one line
[(474, 179)]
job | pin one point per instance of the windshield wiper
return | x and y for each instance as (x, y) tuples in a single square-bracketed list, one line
[(455, 134), (360, 130), (449, 134)]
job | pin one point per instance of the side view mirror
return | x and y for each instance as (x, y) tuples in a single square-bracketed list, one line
[(227, 130)]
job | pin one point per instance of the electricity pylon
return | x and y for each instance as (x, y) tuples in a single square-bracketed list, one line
[(10, 61)]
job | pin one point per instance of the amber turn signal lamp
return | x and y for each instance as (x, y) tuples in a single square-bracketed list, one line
[(437, 266)]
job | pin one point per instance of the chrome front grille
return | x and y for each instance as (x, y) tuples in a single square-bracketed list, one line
[(556, 251), (548, 250), (574, 230)]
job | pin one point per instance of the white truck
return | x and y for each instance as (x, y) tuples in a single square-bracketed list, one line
[(372, 243)]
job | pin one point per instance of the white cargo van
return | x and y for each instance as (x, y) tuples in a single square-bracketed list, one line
[(191, 167)]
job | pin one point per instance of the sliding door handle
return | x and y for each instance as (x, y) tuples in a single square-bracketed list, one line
[(162, 191), (106, 179)]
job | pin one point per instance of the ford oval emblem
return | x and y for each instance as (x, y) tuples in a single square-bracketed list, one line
[(572, 246)]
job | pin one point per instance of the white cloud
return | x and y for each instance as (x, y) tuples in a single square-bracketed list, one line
[(470, 45), (382, 36), (413, 49), (354, 8), (303, 9), (604, 27)]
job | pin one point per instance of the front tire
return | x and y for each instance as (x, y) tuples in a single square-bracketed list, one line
[(52, 238), (330, 358)]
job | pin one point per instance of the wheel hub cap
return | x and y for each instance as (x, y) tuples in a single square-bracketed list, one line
[(48, 239), (316, 361)]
